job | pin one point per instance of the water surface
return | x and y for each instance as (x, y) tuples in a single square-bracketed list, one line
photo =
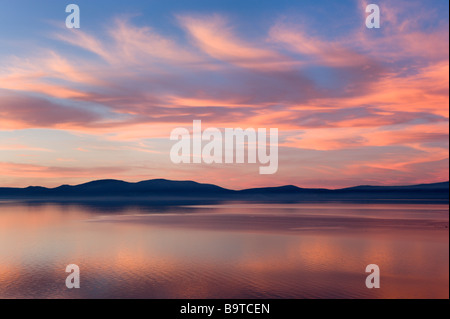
[(231, 250)]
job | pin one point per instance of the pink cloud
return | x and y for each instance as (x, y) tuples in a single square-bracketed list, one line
[(215, 37), (387, 94)]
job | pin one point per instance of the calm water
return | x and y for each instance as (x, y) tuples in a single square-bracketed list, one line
[(224, 251)]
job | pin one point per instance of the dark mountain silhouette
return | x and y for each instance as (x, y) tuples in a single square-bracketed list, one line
[(434, 186), (162, 189)]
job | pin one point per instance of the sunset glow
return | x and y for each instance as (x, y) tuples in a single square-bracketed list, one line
[(352, 105)]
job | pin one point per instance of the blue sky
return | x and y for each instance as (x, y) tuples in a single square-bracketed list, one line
[(352, 105)]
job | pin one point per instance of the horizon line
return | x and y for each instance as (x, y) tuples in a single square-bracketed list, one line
[(172, 180)]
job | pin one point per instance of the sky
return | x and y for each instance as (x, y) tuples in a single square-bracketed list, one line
[(352, 105)]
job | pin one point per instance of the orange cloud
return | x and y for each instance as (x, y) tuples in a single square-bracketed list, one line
[(214, 37), (383, 95)]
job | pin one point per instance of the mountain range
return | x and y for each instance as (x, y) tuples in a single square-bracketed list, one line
[(157, 189)]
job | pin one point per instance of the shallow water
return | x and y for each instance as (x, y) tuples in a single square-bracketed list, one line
[(232, 250)]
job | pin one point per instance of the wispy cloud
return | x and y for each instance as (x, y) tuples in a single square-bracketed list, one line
[(133, 83)]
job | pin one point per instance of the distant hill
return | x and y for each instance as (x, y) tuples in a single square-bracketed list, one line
[(166, 189)]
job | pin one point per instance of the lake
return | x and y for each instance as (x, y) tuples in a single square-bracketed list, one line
[(227, 250)]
